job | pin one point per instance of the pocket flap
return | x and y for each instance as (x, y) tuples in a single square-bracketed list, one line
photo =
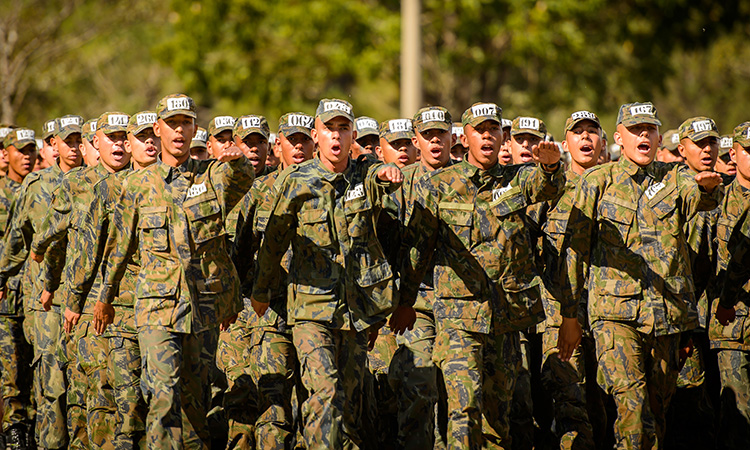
[(201, 210), (617, 210), (460, 217), (152, 217), (513, 284), (210, 286), (618, 288), (679, 285), (313, 216), (371, 276), (509, 203)]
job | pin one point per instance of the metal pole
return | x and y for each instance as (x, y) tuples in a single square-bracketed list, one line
[(411, 57)]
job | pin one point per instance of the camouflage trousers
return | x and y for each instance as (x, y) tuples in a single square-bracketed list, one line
[(567, 384), (734, 421), (15, 358), (480, 373), (51, 385), (379, 424), (67, 353), (332, 366), (124, 369), (640, 372), (414, 379), (690, 418), (531, 406), (260, 366), (175, 383)]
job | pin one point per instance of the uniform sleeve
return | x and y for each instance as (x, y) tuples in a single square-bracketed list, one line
[(576, 253), (539, 185), (281, 228), (246, 241), (56, 221), (16, 238), (420, 237), (53, 266), (233, 179), (738, 267), (694, 197), (121, 244)]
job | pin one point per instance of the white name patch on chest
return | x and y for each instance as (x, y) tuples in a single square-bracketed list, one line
[(497, 193), (654, 189), (196, 190), (357, 191)]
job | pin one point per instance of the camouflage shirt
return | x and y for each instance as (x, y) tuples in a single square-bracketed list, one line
[(12, 304), (628, 246), (472, 222), (338, 274), (231, 221), (174, 218), (31, 209), (732, 270)]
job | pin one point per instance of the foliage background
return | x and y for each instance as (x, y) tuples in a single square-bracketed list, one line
[(532, 57)]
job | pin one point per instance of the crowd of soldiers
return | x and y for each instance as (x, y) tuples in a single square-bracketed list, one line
[(347, 283)]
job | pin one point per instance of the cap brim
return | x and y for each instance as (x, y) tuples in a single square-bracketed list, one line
[(479, 120), (221, 130), (391, 137), (536, 133), (639, 120), (63, 134), (328, 115), (184, 112), (577, 121), (242, 134), (21, 144), (702, 135), (424, 126), (367, 132), (140, 128), (288, 131), (745, 142)]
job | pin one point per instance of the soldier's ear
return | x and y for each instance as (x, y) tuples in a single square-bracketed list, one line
[(618, 139), (733, 154), (314, 135), (565, 146), (680, 148), (157, 129), (464, 140)]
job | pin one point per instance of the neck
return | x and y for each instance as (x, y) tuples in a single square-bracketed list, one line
[(64, 166), (744, 182), (577, 168), (172, 160), (139, 166), (15, 176), (335, 168)]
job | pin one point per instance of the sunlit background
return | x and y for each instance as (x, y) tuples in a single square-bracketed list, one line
[(538, 58)]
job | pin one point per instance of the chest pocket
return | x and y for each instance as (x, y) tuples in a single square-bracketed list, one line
[(615, 220), (204, 214), (458, 219), (313, 226), (555, 227), (152, 226), (509, 202), (358, 216), (261, 221), (664, 206)]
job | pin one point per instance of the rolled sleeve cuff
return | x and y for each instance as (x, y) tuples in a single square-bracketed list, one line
[(107, 294)]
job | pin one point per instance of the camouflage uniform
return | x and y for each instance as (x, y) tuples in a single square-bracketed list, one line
[(31, 209), (340, 285), (471, 222), (16, 354), (628, 248), (173, 218), (731, 287)]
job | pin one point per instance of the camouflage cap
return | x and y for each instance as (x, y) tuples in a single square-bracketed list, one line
[(49, 128), (249, 124), (580, 116), (4, 131), (725, 144), (174, 104), (530, 125), (219, 124), (88, 130), (670, 139), (458, 130), (67, 125), (393, 130), (604, 134), (506, 123), (634, 113), (365, 126), (20, 138), (742, 134), (432, 118), (141, 121), (697, 128), (295, 122), (200, 139), (328, 108), (112, 122), (480, 112)]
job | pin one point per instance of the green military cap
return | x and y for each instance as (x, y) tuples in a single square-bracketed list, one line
[(365, 126), (328, 108), (458, 130), (4, 131), (506, 123), (219, 124), (141, 121), (725, 144), (742, 134), (604, 133), (20, 138), (200, 139), (174, 104), (393, 130), (249, 124), (432, 118), (480, 112), (530, 125), (670, 140), (580, 116), (112, 122), (88, 130), (296, 122), (49, 128), (67, 125), (634, 113), (698, 128)]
